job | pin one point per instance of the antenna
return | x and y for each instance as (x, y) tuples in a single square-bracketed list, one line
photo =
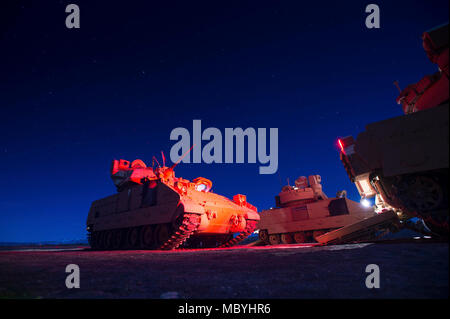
[(279, 177), (181, 158), (400, 98), (398, 87), (163, 158), (153, 161)]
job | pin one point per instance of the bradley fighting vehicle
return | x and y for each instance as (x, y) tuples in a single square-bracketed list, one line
[(153, 209), (304, 212), (403, 161)]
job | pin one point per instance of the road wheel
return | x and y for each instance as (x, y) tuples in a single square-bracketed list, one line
[(264, 236), (287, 239), (117, 239), (109, 237), (101, 240), (133, 238), (300, 237), (147, 237), (93, 240), (162, 234), (274, 239), (421, 194)]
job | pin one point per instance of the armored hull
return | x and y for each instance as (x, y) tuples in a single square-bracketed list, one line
[(403, 161), (153, 209), (304, 212)]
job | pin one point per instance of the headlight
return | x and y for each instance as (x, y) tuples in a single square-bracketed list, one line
[(201, 187), (202, 184), (365, 202)]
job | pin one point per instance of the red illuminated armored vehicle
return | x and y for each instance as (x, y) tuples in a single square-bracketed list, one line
[(403, 161), (304, 213), (153, 209)]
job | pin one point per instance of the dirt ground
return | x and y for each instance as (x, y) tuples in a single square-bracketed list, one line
[(407, 270)]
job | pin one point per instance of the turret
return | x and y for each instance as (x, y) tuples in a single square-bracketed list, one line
[(431, 90), (306, 190)]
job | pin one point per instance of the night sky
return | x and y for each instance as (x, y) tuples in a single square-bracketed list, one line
[(74, 99)]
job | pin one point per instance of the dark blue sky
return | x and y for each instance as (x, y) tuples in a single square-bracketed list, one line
[(73, 100)]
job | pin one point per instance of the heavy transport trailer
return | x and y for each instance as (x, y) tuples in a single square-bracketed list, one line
[(153, 209), (304, 212)]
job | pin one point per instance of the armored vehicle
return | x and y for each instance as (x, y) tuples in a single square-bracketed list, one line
[(303, 212), (153, 209), (403, 161)]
